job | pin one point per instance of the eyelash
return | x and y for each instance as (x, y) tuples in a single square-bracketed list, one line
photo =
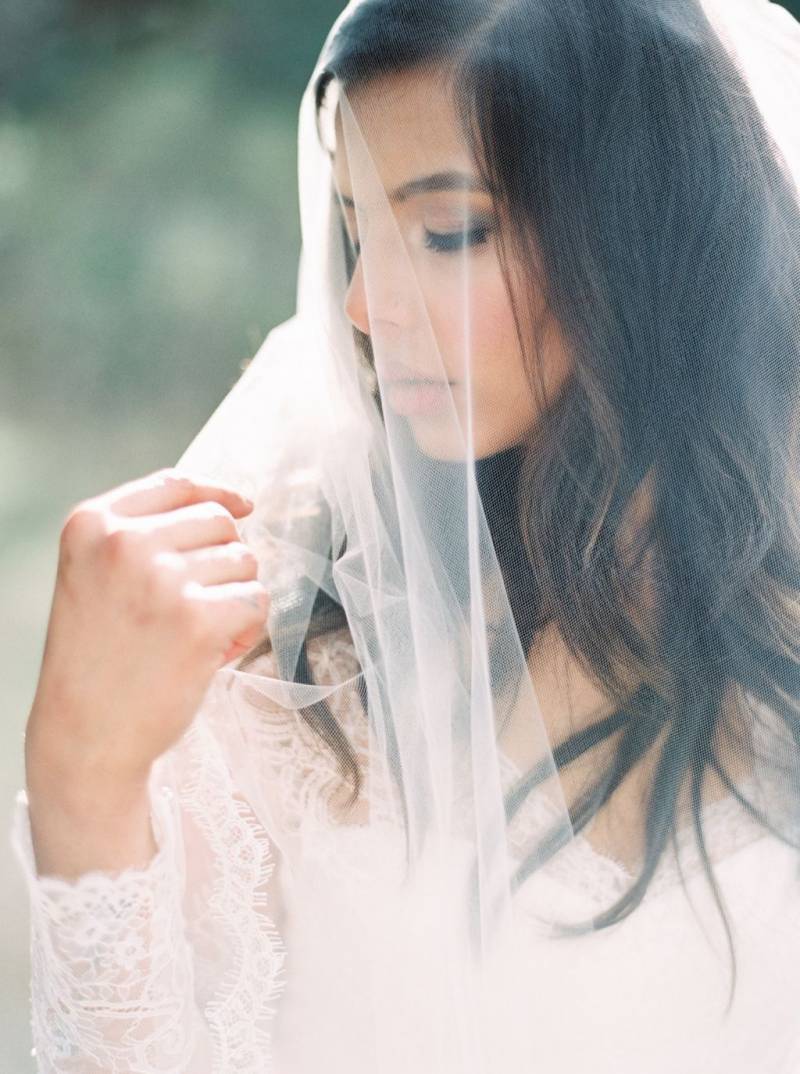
[(452, 241), (449, 242)]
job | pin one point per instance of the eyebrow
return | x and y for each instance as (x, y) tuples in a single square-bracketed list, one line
[(439, 181)]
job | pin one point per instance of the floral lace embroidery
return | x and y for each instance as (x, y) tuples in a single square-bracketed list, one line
[(303, 769), (603, 879), (111, 975)]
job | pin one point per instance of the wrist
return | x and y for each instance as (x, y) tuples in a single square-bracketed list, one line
[(54, 773), (55, 763), (84, 820)]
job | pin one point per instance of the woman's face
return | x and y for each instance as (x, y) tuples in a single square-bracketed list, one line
[(428, 287)]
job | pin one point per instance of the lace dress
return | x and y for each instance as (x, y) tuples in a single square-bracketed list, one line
[(202, 961)]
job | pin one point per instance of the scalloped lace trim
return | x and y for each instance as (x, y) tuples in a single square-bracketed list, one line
[(114, 966), (243, 1006)]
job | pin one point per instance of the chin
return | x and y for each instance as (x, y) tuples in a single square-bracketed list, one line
[(441, 444)]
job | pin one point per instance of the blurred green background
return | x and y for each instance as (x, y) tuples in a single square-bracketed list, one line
[(149, 238)]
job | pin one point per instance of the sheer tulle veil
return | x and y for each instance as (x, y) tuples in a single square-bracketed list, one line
[(529, 445)]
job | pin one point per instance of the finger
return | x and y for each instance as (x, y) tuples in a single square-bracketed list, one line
[(242, 645), (166, 490), (232, 562), (195, 526), (237, 608)]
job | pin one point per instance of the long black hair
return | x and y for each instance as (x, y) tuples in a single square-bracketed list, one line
[(639, 175)]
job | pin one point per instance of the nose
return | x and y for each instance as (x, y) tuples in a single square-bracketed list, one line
[(391, 299), (355, 302)]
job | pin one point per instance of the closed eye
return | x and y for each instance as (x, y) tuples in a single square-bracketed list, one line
[(451, 241), (445, 242)]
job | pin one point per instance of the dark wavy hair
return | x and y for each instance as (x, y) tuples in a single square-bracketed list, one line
[(633, 182)]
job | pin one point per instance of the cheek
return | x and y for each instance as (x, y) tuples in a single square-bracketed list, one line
[(505, 403), (473, 317), (497, 363), (500, 371)]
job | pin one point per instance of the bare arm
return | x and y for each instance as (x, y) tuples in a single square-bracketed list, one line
[(80, 822), (154, 592)]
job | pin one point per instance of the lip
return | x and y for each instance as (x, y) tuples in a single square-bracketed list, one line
[(419, 397), (396, 373)]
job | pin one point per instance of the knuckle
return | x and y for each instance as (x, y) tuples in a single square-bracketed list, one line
[(170, 565), (163, 578), (122, 545), (83, 523), (246, 556), (222, 517)]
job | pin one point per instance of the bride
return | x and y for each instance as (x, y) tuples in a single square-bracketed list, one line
[(438, 711)]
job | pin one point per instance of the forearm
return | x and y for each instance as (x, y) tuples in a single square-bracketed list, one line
[(84, 818)]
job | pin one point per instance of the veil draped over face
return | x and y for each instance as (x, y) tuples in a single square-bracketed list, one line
[(525, 460)]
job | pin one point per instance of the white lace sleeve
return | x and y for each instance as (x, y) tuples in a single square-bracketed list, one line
[(168, 968)]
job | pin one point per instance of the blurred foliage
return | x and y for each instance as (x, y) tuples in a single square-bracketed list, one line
[(148, 206), (258, 45)]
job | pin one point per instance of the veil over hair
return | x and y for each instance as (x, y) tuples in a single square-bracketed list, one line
[(570, 583)]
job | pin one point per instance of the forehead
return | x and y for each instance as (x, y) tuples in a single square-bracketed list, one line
[(406, 123)]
